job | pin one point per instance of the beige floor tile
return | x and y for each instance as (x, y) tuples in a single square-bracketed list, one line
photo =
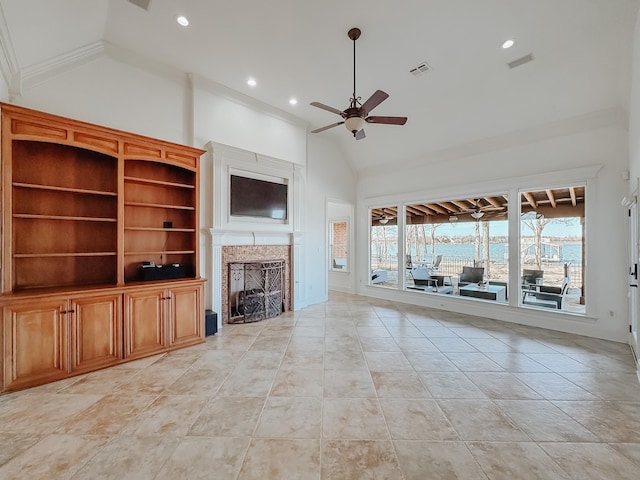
[(554, 387), (270, 344), (281, 459), (366, 331), (607, 386), (430, 362), (228, 417), (15, 443), (29, 412), (205, 458), (200, 382), (348, 384), (100, 382), (108, 415), (298, 383), (452, 345), (544, 422), (387, 362), (399, 385), (168, 414), (522, 460), (53, 457), (259, 359), (450, 385), (379, 344), (416, 419), (411, 344), (290, 418), (422, 460), (610, 421), (348, 360), (247, 383), (306, 345), (353, 418), (359, 459), (294, 360), (591, 461), (516, 362), (129, 458), (238, 343), (481, 420), (502, 385)]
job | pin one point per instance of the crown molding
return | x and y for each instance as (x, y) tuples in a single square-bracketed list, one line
[(8, 60), (39, 73)]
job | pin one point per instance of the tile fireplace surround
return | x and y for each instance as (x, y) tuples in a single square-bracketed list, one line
[(248, 253)]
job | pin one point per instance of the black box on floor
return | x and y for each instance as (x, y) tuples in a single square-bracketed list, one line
[(210, 322)]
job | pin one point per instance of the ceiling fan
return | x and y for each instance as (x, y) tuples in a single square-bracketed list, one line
[(478, 211), (355, 117), (383, 218)]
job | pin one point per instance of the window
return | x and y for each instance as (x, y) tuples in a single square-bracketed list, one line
[(384, 247), (339, 245), (552, 248), (458, 247)]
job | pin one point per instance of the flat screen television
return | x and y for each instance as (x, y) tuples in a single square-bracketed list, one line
[(250, 197)]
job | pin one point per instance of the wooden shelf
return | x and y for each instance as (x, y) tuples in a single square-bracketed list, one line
[(160, 229), (35, 186), (148, 181), (160, 252), (74, 254), (65, 218), (158, 205)]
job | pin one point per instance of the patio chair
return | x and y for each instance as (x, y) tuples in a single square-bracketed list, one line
[(532, 277), (470, 275), (548, 296)]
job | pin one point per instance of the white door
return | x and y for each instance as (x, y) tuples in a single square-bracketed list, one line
[(634, 272)]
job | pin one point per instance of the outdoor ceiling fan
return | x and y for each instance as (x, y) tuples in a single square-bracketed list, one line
[(383, 218), (357, 115), (478, 211)]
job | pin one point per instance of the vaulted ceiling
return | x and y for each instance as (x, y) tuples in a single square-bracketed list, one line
[(581, 60)]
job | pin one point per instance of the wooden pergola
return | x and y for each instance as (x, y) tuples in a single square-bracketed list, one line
[(551, 203)]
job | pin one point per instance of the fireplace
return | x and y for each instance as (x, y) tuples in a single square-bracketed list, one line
[(255, 290), (244, 264)]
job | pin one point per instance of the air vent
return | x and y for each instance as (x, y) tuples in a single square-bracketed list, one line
[(521, 61), (420, 69), (144, 4)]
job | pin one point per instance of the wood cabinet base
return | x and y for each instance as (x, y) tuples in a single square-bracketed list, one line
[(50, 337)]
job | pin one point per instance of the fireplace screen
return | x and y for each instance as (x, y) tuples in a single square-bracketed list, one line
[(255, 290)]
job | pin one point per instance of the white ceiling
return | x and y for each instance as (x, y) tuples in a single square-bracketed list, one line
[(300, 48)]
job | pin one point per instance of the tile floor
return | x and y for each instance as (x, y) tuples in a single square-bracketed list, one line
[(354, 388)]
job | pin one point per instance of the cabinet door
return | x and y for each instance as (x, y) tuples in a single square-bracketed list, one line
[(36, 343), (96, 332), (185, 315), (144, 323)]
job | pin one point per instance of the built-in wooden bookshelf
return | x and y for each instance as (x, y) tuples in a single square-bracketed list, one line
[(84, 207)]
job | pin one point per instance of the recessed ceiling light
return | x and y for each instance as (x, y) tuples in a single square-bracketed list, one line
[(252, 82), (293, 101), (507, 44), (182, 20)]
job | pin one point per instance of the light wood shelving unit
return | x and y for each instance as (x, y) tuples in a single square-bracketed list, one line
[(83, 206)]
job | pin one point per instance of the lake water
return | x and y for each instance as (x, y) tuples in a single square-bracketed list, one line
[(571, 252)]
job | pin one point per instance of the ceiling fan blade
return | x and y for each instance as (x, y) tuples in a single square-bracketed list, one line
[(387, 120), (374, 100), (322, 129), (360, 134), (327, 108)]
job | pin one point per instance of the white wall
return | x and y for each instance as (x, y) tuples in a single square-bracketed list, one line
[(115, 94), (606, 262), (329, 177), (634, 107), (4, 90)]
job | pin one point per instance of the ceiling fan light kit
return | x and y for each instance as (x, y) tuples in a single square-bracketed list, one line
[(357, 115), (477, 215)]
